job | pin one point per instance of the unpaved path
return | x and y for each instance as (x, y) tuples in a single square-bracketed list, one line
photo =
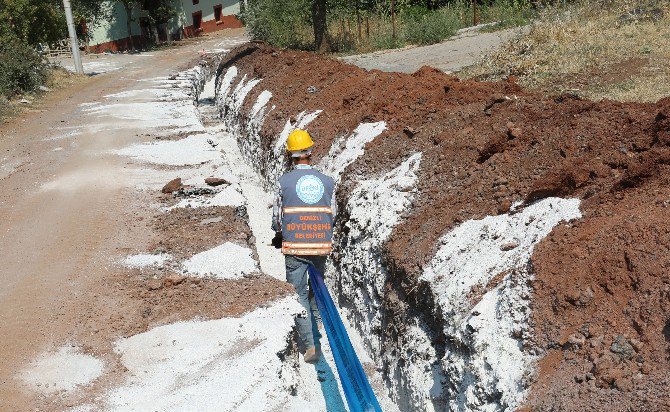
[(65, 210), (449, 56)]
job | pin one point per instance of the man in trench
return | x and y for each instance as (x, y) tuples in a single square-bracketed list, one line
[(303, 215)]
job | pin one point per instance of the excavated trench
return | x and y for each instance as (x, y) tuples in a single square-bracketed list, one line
[(445, 188)]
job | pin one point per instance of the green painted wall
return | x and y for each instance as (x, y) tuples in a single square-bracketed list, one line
[(114, 28)]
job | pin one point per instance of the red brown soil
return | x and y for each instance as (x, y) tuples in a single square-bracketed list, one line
[(152, 297), (487, 145), (187, 231)]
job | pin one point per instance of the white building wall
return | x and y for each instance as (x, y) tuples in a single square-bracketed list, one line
[(114, 28), (207, 7)]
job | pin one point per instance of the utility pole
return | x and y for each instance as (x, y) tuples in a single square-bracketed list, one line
[(78, 67)]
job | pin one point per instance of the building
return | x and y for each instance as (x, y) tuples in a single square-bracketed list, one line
[(193, 18), (210, 15)]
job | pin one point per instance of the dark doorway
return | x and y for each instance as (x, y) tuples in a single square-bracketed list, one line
[(217, 13), (197, 20)]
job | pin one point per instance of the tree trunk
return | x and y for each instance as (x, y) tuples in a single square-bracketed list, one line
[(129, 14), (358, 21), (393, 17), (154, 30), (320, 27), (168, 33)]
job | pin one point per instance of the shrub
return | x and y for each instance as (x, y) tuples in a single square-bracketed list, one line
[(431, 27), (281, 23), (22, 69), (508, 13), (287, 23)]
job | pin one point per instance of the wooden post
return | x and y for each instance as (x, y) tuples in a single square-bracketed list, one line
[(320, 23), (475, 16), (358, 20), (393, 17)]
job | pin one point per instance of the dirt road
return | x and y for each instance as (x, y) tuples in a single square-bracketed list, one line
[(449, 56), (66, 211)]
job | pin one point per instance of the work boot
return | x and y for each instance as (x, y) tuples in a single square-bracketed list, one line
[(311, 355), (319, 328)]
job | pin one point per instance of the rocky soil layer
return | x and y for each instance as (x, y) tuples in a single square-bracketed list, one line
[(497, 248)]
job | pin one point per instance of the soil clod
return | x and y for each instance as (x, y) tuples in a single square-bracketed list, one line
[(172, 186)]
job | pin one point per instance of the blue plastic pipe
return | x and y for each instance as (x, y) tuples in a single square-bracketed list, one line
[(357, 390)]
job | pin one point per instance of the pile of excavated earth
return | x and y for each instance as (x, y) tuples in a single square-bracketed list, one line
[(495, 248)]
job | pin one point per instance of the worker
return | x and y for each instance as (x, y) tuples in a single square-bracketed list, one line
[(303, 214)]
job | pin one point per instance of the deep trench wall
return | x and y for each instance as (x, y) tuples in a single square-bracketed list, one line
[(455, 154), (358, 274), (194, 80)]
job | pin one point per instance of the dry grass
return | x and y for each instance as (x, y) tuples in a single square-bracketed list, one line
[(8, 109), (614, 49), (58, 79)]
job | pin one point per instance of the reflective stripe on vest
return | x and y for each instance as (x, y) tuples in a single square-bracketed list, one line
[(308, 209), (300, 245), (306, 249)]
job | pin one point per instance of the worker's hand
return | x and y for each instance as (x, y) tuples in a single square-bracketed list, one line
[(276, 241)]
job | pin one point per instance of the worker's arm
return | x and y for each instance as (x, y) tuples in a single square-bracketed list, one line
[(276, 220), (277, 212)]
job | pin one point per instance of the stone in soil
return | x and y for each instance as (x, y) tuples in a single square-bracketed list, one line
[(193, 191), (172, 186), (216, 181)]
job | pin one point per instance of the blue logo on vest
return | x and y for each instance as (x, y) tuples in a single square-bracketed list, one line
[(309, 189)]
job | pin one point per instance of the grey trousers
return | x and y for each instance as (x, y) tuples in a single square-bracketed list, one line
[(297, 275)]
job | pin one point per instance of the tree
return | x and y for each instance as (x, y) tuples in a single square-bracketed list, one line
[(159, 12), (129, 6), (32, 21), (26, 25), (42, 21), (319, 22), (90, 10)]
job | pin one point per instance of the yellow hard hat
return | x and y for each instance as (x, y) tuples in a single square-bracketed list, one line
[(299, 140)]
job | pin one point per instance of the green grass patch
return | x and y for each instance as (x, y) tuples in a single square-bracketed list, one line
[(287, 23)]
